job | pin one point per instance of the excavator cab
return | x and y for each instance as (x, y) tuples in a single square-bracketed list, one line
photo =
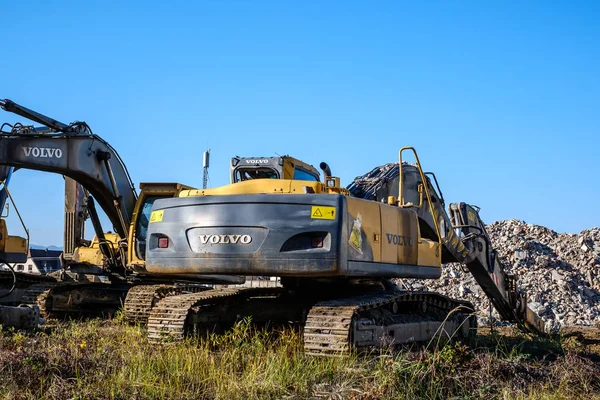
[(150, 192), (13, 249), (284, 167)]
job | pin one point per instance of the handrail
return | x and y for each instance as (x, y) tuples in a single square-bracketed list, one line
[(424, 179)]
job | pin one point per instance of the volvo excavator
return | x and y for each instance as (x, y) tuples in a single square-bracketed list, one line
[(337, 250)]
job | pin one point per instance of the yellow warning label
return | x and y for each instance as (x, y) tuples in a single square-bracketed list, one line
[(322, 212), (157, 216)]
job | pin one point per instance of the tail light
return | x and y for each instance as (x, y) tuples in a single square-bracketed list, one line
[(317, 241)]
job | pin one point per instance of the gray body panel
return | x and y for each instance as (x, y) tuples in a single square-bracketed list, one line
[(210, 235)]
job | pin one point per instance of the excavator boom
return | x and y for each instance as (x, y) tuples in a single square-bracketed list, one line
[(11, 106), (73, 151)]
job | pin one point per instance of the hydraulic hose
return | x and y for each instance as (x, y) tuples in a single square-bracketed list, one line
[(14, 284)]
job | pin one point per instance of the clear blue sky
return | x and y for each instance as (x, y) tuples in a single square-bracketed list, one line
[(501, 99)]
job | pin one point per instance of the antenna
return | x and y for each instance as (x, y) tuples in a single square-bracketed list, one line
[(206, 164)]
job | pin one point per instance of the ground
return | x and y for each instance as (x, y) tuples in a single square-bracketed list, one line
[(588, 337), (108, 359)]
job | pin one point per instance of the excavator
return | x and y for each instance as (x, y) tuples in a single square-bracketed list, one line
[(13, 250), (337, 250)]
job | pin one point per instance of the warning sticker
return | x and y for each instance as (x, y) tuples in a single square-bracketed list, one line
[(157, 216), (322, 212)]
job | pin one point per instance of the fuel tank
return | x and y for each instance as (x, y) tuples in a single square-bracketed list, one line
[(301, 235)]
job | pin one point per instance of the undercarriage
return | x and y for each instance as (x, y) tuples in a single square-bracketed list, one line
[(363, 315), (13, 287), (336, 316)]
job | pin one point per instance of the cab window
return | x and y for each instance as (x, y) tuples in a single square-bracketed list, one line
[(244, 174), (141, 230), (303, 175)]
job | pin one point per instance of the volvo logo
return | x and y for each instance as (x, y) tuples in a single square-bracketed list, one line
[(399, 240), (42, 152), (225, 239), (257, 161)]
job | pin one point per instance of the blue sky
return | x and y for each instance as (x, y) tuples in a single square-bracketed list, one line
[(500, 98)]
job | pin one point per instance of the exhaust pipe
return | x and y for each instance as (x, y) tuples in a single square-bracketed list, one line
[(325, 168)]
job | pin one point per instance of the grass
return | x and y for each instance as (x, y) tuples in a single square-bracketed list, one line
[(108, 359)]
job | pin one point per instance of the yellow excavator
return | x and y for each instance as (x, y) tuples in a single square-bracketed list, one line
[(13, 250), (337, 250)]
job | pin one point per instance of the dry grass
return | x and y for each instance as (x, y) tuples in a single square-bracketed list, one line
[(108, 359)]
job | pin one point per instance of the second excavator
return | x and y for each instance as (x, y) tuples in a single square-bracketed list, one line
[(13, 252)]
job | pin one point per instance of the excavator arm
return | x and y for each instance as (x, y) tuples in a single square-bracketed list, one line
[(76, 213)]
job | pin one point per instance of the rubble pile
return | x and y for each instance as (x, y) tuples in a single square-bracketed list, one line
[(559, 272)]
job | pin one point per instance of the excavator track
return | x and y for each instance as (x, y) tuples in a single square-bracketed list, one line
[(335, 327), (59, 299), (140, 299), (38, 294), (174, 317), (23, 282)]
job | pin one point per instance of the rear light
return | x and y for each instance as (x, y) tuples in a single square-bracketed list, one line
[(163, 243), (317, 242)]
